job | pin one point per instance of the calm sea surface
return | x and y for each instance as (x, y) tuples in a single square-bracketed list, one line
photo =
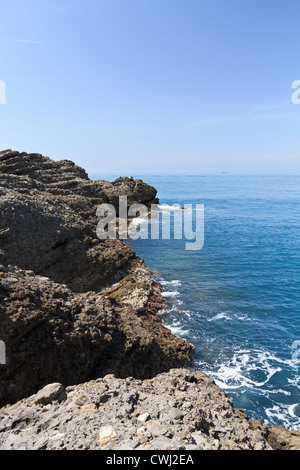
[(238, 299)]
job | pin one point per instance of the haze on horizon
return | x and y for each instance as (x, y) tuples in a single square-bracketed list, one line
[(153, 86)]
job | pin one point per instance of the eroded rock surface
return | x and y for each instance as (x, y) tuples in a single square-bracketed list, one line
[(74, 308), (54, 335), (48, 220), (57, 320), (175, 410)]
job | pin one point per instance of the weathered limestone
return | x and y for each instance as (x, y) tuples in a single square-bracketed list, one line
[(106, 414)]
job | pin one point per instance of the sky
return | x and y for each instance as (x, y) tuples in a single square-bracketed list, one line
[(153, 86)]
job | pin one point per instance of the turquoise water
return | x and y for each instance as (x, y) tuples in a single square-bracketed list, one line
[(238, 299)]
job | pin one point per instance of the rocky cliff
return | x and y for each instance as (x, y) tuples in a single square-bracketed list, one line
[(89, 364), (48, 220), (58, 319)]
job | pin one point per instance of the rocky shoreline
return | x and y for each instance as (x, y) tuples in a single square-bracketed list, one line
[(80, 313)]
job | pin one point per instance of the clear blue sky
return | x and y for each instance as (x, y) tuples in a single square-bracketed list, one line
[(137, 86)]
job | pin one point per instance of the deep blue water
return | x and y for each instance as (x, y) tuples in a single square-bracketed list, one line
[(238, 299)]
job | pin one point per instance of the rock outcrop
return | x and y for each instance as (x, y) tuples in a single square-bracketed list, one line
[(89, 363), (54, 335), (48, 220), (178, 410), (58, 320)]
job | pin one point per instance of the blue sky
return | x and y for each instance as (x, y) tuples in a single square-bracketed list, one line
[(143, 86)]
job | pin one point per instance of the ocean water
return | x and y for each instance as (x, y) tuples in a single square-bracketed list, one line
[(238, 299)]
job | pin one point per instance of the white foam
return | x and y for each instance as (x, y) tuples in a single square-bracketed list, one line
[(139, 221), (176, 282), (162, 313), (226, 316), (295, 382), (233, 375), (170, 294), (220, 316), (283, 392), (178, 330), (243, 318), (284, 414), (167, 207)]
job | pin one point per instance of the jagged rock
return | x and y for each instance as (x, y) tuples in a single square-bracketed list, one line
[(106, 434), (53, 335), (135, 190), (62, 326), (56, 319), (65, 425), (144, 418), (50, 393), (279, 437), (175, 413), (64, 178), (39, 168), (48, 220)]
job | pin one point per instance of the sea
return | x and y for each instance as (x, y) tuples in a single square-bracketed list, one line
[(237, 299)]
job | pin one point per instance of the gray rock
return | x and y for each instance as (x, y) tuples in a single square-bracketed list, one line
[(175, 413), (144, 418), (50, 393), (77, 317), (106, 434), (96, 425)]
